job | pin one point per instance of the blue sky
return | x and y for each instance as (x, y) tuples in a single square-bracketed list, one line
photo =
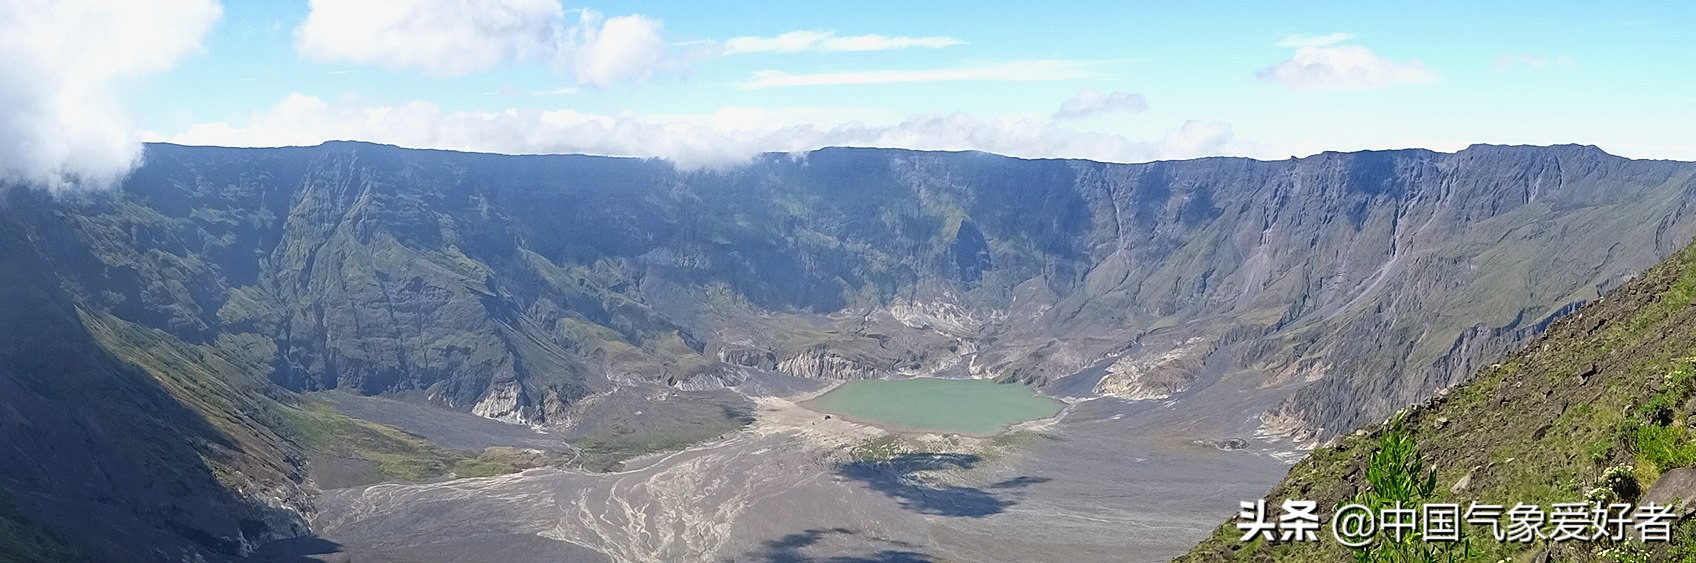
[(705, 84)]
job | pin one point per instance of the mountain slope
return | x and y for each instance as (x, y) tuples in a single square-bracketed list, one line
[(119, 453), (1611, 385)]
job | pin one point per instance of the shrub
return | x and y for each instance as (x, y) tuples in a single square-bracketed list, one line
[(1395, 474)]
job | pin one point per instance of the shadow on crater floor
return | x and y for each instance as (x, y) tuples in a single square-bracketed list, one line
[(791, 549), (897, 477)]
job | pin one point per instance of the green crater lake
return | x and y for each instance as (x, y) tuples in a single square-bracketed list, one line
[(978, 407)]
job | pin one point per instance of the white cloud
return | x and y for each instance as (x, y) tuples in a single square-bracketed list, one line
[(449, 38), (438, 37), (617, 49), (60, 125), (1299, 40), (726, 137), (830, 42), (1016, 71), (1089, 102), (1508, 61), (1321, 63)]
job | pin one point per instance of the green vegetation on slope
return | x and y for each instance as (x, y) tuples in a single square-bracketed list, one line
[(1607, 396), (115, 437), (335, 439), (219, 382), (1396, 477), (347, 451)]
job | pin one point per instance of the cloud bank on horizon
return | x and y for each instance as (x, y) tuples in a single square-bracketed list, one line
[(724, 138), (708, 89)]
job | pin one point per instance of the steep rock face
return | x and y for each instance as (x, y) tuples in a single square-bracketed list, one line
[(516, 286), (1476, 258), (1363, 272)]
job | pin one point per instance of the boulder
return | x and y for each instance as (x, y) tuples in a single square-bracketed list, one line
[(1676, 487)]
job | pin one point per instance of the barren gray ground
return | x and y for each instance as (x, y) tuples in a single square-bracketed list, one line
[(1108, 480)]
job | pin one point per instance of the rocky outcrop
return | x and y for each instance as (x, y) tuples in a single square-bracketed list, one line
[(943, 317), (1675, 488), (507, 402), (1155, 375), (748, 357), (717, 377), (822, 363)]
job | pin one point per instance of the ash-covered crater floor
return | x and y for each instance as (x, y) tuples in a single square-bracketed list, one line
[(1106, 480)]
